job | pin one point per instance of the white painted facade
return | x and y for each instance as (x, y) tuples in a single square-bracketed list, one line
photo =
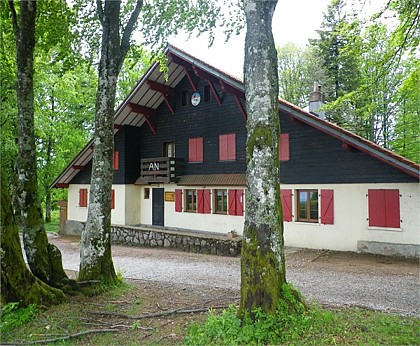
[(350, 215), (351, 219)]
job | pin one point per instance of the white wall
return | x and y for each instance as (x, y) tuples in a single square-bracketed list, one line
[(350, 216), (127, 204), (202, 222), (350, 219)]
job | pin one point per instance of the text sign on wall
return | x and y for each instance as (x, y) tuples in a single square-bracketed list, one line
[(154, 166), (169, 196)]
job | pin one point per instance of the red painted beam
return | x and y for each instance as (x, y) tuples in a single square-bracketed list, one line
[(240, 106), (79, 168), (162, 88), (141, 109), (152, 128), (227, 88), (61, 186), (118, 127), (214, 92), (187, 73), (204, 75)]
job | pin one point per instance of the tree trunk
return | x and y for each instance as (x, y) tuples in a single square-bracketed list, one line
[(263, 271), (44, 259), (47, 180), (18, 284), (95, 253)]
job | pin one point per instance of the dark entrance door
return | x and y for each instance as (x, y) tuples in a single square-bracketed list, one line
[(157, 207)]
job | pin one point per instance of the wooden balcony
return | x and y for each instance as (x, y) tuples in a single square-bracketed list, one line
[(160, 170)]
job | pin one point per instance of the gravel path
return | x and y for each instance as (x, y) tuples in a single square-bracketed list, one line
[(392, 287)]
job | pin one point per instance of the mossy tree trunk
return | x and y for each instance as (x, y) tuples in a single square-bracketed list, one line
[(95, 251), (263, 271), (18, 284), (44, 259)]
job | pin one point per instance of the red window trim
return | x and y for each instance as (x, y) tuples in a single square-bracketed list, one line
[(327, 207), (178, 200), (236, 202), (116, 161), (83, 200), (286, 202), (227, 147), (195, 150), (112, 199), (284, 150), (384, 208)]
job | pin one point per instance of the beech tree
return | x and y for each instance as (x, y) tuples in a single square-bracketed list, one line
[(18, 284), (44, 259), (263, 272), (159, 20)]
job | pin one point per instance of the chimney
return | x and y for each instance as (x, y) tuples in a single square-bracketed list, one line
[(316, 101)]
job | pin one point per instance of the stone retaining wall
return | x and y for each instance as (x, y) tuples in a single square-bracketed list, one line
[(186, 241)]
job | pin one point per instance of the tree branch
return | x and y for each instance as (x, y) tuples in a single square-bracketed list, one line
[(70, 336), (125, 41), (158, 314), (14, 20), (100, 11)]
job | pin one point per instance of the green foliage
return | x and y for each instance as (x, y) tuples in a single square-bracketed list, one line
[(315, 326), (12, 316)]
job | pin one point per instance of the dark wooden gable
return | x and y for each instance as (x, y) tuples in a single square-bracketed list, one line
[(318, 158)]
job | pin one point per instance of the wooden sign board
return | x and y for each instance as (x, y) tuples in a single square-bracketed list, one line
[(169, 196)]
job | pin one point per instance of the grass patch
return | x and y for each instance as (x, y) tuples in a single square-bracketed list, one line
[(54, 225), (316, 326)]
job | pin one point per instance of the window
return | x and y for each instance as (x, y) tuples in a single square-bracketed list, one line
[(146, 193), (169, 149), (307, 205), (195, 150), (236, 203), (116, 160), (206, 93), (83, 200), (191, 200), (112, 199), (227, 147), (184, 98), (203, 201), (220, 201), (384, 208), (284, 153)]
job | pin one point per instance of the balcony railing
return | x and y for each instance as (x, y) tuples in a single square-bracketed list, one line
[(161, 170)]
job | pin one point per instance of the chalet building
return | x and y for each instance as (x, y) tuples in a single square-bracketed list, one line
[(179, 162)]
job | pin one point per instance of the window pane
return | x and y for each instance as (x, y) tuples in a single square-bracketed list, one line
[(302, 205), (221, 201), (314, 205)]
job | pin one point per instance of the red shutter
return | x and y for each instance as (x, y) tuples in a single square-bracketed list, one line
[(223, 145), (206, 201), (231, 147), (116, 163), (392, 208), (113, 199), (231, 202), (286, 202), (327, 207), (199, 149), (200, 201), (83, 198), (178, 200), (192, 150), (239, 201), (376, 208), (284, 153)]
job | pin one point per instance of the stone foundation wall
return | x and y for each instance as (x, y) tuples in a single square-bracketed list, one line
[(389, 249), (192, 242)]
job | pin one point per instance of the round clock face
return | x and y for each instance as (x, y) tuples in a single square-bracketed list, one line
[(195, 99)]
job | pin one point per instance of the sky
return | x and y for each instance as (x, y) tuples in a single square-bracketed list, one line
[(294, 21)]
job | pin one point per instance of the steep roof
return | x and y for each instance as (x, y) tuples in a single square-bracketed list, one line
[(154, 88)]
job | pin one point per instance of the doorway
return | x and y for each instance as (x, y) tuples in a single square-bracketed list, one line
[(158, 207)]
